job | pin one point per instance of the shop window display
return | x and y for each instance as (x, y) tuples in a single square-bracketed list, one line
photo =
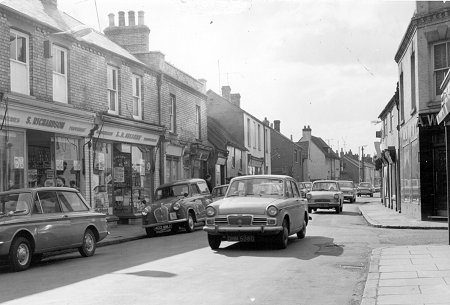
[(12, 160), (102, 177)]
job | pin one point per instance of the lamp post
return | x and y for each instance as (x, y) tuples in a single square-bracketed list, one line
[(361, 164)]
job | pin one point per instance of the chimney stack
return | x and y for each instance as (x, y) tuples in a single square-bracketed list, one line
[(306, 133), (121, 18), (226, 90), (235, 99), (141, 18), (276, 123), (111, 19), (131, 21)]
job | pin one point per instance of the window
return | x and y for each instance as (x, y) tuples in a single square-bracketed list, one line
[(240, 159), (233, 158), (249, 141), (19, 62), (390, 121), (254, 138), (402, 100), (441, 64), (59, 74), (49, 202), (203, 187), (71, 202), (259, 137), (172, 114), (137, 97), (295, 156), (413, 82), (198, 121), (172, 168), (112, 86)]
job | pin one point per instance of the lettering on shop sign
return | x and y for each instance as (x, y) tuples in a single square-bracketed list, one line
[(79, 129), (428, 120), (10, 119), (126, 135), (45, 122)]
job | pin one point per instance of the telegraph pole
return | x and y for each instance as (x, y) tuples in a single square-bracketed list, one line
[(362, 162)]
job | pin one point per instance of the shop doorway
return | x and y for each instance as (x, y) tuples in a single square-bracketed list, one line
[(440, 181)]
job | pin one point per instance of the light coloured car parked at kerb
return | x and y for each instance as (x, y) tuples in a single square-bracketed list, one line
[(34, 221), (257, 207)]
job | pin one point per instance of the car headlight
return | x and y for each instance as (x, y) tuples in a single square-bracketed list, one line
[(272, 210), (210, 211), (146, 210), (336, 196), (308, 196), (176, 206)]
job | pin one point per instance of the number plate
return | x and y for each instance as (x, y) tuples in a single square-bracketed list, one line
[(241, 238), (163, 228), (173, 215)]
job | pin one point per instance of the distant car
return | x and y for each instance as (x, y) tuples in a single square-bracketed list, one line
[(257, 207), (348, 190), (365, 188), (219, 191), (34, 221), (304, 187), (178, 204), (325, 194)]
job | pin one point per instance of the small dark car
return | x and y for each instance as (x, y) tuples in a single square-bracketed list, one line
[(178, 204), (365, 188), (34, 221)]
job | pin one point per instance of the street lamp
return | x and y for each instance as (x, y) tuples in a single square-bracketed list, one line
[(361, 163)]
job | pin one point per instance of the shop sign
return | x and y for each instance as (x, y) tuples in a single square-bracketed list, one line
[(427, 120), (131, 136), (45, 122)]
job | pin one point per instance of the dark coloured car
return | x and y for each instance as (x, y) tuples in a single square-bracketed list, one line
[(257, 207), (35, 221), (365, 188), (348, 190), (178, 204), (304, 188), (219, 192)]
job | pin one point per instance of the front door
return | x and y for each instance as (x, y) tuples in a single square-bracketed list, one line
[(440, 181)]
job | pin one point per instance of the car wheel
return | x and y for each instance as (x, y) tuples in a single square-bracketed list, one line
[(371, 195), (337, 209), (310, 210), (150, 232), (20, 254), (214, 241), (283, 236), (190, 223), (341, 208), (89, 244), (302, 233)]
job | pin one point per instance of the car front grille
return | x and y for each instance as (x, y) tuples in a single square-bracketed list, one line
[(259, 220), (322, 200), (240, 220), (220, 220)]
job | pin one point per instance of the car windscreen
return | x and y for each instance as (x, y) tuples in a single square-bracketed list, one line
[(324, 186), (364, 184), (172, 191), (15, 204), (258, 187), (345, 184)]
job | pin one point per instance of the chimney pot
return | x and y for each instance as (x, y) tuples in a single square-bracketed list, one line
[(141, 18), (276, 123), (131, 21), (121, 18), (111, 19)]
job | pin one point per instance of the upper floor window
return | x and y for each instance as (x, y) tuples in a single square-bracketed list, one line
[(137, 99), (249, 138), (441, 63), (172, 113), (198, 122), (296, 156), (402, 100), (259, 137), (413, 82), (19, 62), (113, 92), (59, 74), (254, 138)]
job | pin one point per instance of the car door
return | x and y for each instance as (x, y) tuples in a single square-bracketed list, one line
[(198, 202), (77, 213), (300, 205), (293, 206), (53, 231)]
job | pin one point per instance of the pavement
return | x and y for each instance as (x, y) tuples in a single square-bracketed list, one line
[(407, 275)]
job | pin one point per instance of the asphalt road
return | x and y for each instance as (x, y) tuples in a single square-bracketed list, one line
[(329, 266)]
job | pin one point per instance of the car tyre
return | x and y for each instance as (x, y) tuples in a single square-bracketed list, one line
[(190, 223), (310, 210), (283, 236), (214, 241), (89, 244), (337, 209), (302, 233), (20, 254), (150, 232), (371, 195), (341, 208)]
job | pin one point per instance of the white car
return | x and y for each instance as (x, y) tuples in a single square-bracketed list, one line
[(325, 194)]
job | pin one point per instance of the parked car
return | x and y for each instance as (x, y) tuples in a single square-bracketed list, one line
[(34, 221), (365, 188), (257, 207), (325, 194), (219, 191), (178, 204), (304, 187), (348, 190)]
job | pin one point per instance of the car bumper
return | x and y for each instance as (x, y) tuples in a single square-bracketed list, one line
[(323, 205), (254, 230), (349, 196), (364, 192), (151, 225)]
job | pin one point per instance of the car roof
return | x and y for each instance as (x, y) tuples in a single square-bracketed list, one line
[(263, 176), (35, 189), (328, 181), (183, 181), (345, 181)]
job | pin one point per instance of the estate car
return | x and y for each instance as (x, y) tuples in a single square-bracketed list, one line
[(34, 221), (257, 207)]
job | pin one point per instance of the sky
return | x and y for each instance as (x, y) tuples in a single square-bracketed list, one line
[(324, 64)]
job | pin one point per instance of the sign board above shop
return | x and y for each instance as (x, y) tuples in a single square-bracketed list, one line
[(119, 134)]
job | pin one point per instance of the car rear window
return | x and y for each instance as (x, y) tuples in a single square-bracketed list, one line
[(15, 204), (345, 184)]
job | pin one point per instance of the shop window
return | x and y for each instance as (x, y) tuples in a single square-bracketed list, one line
[(12, 160), (59, 74), (113, 90), (67, 162), (102, 177), (19, 62)]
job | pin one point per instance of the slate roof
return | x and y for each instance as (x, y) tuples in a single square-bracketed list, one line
[(62, 23), (219, 137), (327, 151)]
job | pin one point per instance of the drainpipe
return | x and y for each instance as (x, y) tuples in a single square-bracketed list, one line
[(161, 143)]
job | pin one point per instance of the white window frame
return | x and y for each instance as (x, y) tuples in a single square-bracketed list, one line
[(172, 113), (445, 69), (197, 121), (249, 138), (59, 68), (113, 88), (20, 85), (137, 96), (259, 137)]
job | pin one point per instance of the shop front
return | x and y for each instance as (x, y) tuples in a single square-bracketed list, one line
[(124, 156), (42, 144), (255, 165)]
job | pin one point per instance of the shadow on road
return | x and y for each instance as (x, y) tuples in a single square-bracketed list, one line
[(304, 249)]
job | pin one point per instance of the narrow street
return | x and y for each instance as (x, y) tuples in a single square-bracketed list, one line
[(328, 267)]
